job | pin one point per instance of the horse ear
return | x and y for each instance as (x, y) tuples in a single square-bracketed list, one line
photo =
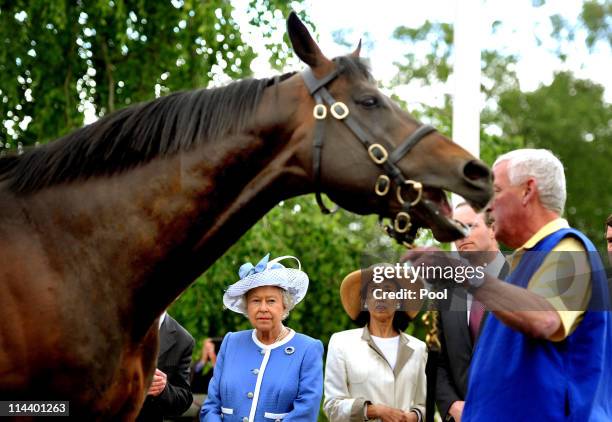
[(357, 50), (304, 46)]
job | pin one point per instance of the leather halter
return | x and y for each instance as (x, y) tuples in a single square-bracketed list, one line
[(378, 152)]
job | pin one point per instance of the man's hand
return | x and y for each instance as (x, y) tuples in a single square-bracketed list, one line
[(432, 257), (456, 410), (158, 384), (210, 351)]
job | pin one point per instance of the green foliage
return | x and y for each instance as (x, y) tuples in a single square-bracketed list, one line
[(39, 68), (60, 56), (570, 116), (597, 18), (271, 14), (435, 66)]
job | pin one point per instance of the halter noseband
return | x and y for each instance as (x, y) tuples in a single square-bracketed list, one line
[(377, 151)]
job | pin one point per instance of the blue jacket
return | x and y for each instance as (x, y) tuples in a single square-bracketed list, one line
[(255, 382), (514, 377)]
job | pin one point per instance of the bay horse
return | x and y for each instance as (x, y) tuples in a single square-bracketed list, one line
[(102, 229)]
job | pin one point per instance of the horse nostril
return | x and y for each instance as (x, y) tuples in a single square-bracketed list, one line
[(476, 170)]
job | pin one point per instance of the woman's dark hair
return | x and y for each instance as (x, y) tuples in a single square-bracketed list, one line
[(400, 318)]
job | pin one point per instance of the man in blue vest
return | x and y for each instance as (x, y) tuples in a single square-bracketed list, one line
[(545, 353)]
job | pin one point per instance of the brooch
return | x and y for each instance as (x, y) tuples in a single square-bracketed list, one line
[(289, 350)]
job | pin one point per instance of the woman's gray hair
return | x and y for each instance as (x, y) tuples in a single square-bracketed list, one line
[(288, 302), (545, 168)]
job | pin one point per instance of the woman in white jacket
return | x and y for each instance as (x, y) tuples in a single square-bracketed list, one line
[(376, 372)]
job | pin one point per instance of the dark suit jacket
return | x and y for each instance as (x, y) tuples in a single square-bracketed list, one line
[(199, 381), (456, 353), (174, 359)]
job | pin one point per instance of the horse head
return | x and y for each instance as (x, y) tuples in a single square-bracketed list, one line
[(369, 156)]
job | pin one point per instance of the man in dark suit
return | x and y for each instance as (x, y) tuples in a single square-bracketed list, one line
[(170, 392), (461, 324)]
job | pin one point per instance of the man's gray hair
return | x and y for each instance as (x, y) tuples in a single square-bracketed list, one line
[(545, 168)]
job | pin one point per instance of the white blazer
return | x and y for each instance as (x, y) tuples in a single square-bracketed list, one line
[(356, 371)]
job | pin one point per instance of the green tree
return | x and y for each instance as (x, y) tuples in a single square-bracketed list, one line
[(570, 116), (596, 16), (595, 19), (59, 57)]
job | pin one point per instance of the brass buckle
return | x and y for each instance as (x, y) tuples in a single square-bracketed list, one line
[(342, 113), (319, 112), (382, 150), (383, 184), (402, 217), (417, 186)]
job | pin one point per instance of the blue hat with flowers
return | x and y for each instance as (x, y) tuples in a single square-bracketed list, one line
[(266, 273)]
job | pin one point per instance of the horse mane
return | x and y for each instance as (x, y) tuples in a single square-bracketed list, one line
[(137, 134)]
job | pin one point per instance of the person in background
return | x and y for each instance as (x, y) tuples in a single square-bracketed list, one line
[(376, 371), (461, 324), (170, 391), (270, 372), (202, 370), (609, 237)]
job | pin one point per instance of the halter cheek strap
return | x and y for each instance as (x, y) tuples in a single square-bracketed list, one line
[(319, 112), (377, 151)]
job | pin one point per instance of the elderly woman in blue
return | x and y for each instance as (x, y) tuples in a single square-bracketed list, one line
[(269, 373)]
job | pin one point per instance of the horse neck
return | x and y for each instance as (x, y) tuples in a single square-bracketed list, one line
[(142, 236)]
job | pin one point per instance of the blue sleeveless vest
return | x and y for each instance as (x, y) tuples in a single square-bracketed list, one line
[(517, 378)]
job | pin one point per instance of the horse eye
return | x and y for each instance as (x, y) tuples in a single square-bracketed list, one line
[(369, 102)]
